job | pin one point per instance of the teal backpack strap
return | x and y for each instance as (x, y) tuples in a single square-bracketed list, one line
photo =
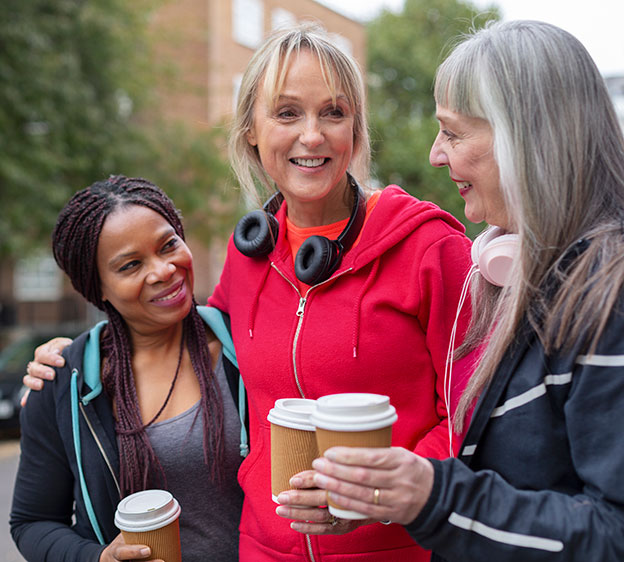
[(91, 363), (213, 317), (78, 450), (91, 371)]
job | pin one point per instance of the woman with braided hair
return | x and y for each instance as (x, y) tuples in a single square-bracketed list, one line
[(157, 414)]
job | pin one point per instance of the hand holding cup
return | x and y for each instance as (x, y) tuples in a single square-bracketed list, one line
[(151, 518), (353, 420), (351, 476), (118, 550)]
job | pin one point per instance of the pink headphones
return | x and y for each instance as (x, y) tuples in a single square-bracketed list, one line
[(493, 253)]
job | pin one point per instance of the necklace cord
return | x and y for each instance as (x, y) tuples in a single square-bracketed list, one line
[(164, 405)]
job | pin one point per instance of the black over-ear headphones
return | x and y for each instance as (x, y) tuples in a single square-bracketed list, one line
[(318, 257)]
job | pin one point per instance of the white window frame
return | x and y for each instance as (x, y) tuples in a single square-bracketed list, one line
[(37, 279), (248, 22), (236, 84), (282, 18)]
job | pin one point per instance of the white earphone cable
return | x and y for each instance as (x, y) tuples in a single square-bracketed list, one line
[(448, 366)]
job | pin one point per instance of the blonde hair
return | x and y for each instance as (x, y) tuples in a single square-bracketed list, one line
[(268, 67), (560, 153)]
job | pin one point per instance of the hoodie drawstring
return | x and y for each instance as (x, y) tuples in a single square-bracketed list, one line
[(253, 310), (254, 305), (357, 308)]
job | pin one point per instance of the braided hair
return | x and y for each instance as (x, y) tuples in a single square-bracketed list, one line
[(74, 241)]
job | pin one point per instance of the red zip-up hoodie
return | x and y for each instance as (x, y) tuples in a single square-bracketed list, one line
[(380, 324)]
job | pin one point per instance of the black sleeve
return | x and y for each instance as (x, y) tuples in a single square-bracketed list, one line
[(477, 516), (43, 496)]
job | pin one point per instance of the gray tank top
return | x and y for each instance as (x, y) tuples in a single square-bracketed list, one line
[(210, 512)]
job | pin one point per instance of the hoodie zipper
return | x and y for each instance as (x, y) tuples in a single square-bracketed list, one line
[(99, 444), (300, 312)]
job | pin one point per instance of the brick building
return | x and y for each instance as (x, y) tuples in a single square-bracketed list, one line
[(204, 46), (211, 41)]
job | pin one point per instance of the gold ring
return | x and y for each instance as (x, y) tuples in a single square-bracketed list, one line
[(333, 520), (376, 496)]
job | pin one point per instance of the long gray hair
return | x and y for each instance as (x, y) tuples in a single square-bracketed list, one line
[(560, 153)]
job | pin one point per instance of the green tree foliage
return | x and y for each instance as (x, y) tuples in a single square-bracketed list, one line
[(404, 50), (67, 78), (192, 168), (76, 104)]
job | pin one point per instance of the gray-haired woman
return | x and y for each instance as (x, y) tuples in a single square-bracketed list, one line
[(530, 137)]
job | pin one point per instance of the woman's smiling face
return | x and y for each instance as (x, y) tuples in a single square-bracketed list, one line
[(465, 145), (305, 142), (145, 268)]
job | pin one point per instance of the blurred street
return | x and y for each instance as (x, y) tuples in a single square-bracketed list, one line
[(9, 456)]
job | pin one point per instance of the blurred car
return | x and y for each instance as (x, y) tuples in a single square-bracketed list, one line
[(13, 360)]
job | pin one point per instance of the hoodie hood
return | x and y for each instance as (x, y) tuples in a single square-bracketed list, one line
[(402, 214), (397, 215)]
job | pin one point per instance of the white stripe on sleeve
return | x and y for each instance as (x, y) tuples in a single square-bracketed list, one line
[(468, 450), (601, 360), (505, 537), (531, 394)]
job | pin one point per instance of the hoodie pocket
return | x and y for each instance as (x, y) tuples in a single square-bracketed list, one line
[(256, 453)]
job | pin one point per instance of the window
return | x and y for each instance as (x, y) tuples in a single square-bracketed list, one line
[(247, 22), (37, 279), (282, 18), (236, 84)]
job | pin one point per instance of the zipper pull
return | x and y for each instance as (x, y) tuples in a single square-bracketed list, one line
[(302, 302)]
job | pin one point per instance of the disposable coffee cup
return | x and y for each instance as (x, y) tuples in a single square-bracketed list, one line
[(352, 420), (293, 441), (151, 517)]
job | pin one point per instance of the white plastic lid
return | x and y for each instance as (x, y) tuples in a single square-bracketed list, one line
[(353, 412), (293, 412), (146, 511)]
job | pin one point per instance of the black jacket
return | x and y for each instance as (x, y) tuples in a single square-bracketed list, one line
[(540, 475), (48, 480), (49, 477)]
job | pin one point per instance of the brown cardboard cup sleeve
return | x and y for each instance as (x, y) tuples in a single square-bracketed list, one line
[(352, 420), (293, 441), (151, 517)]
